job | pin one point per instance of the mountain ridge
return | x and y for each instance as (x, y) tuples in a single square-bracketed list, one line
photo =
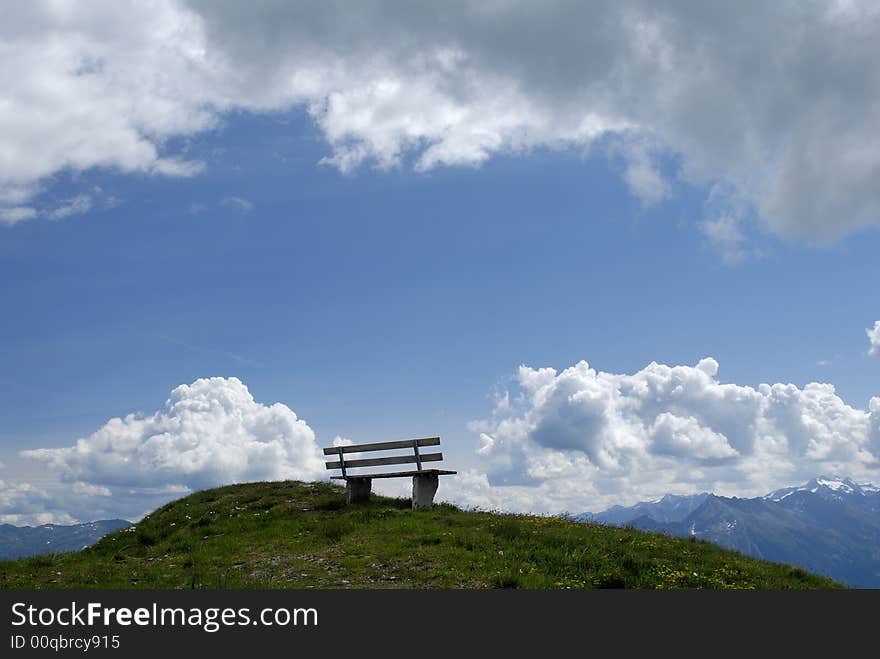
[(25, 541), (829, 525)]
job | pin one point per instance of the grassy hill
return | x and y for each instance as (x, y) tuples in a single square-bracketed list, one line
[(301, 535)]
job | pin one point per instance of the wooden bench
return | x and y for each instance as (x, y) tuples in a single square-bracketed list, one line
[(357, 486)]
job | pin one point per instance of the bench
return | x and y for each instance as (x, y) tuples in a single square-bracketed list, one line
[(357, 486)]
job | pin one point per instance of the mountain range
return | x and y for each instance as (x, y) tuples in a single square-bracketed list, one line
[(288, 534), (829, 525), (23, 541)]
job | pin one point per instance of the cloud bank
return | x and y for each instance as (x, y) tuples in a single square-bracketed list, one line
[(24, 504), (773, 103), (574, 440), (209, 433), (581, 439)]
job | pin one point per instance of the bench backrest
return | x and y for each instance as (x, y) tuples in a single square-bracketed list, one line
[(417, 457)]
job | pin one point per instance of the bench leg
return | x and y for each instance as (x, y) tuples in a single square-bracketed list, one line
[(357, 490), (424, 489)]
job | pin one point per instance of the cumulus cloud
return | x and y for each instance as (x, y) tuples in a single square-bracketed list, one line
[(775, 100), (209, 433), (874, 338), (581, 439)]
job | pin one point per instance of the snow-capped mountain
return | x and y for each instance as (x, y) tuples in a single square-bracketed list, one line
[(829, 525), (23, 541), (829, 485)]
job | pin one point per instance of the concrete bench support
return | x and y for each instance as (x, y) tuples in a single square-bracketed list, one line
[(424, 489), (357, 490)]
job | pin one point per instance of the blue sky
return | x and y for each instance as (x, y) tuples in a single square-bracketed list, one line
[(395, 300)]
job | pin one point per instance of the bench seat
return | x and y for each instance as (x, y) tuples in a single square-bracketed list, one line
[(438, 472)]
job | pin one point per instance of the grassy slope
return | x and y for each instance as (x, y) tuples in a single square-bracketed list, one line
[(300, 535)]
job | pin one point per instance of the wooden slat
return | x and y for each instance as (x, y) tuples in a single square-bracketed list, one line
[(382, 446), (341, 460), (377, 462), (395, 474)]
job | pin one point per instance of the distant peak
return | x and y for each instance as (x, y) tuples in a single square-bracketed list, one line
[(836, 484)]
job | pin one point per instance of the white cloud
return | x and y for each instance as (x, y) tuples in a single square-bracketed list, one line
[(209, 433), (19, 501), (641, 174), (13, 214), (238, 203), (79, 98), (24, 504), (89, 489), (176, 167), (775, 101), (725, 235), (874, 338), (75, 206), (583, 439), (15, 194), (685, 437)]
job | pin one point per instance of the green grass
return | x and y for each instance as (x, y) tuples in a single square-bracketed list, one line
[(301, 535)]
